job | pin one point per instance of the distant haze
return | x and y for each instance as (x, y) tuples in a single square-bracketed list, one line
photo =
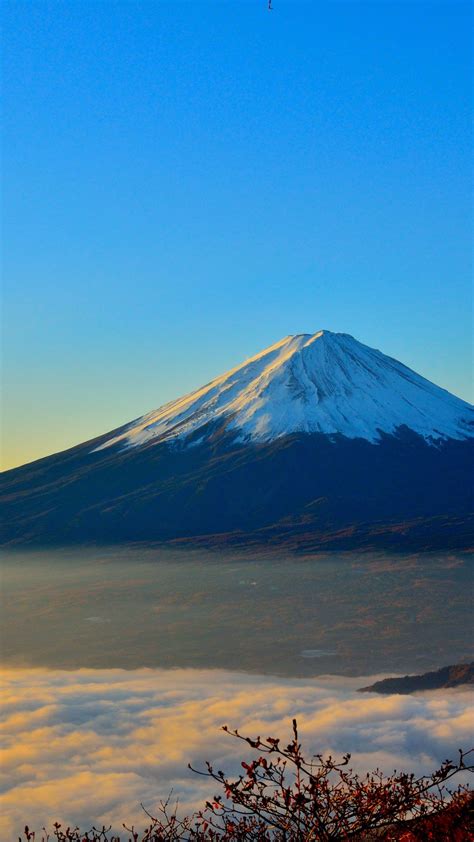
[(339, 613)]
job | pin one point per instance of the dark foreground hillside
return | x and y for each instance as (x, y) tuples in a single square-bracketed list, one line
[(456, 675)]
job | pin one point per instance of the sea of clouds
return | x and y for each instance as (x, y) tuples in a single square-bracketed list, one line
[(87, 746)]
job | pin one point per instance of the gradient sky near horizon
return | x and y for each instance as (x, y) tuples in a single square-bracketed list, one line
[(187, 182)]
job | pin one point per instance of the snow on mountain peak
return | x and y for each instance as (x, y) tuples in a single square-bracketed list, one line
[(310, 383)]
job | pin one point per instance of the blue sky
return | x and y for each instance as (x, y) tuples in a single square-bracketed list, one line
[(188, 182)]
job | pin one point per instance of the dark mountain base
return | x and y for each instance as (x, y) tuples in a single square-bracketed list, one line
[(437, 534), (307, 492)]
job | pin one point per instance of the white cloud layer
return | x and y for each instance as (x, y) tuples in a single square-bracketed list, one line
[(88, 746)]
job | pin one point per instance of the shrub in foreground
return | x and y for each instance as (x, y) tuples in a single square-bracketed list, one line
[(283, 797)]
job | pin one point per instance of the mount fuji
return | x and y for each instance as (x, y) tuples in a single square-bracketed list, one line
[(318, 442)]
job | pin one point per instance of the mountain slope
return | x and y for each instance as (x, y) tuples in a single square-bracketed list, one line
[(323, 383), (318, 442)]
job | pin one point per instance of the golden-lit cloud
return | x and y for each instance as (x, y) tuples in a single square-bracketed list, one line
[(88, 746)]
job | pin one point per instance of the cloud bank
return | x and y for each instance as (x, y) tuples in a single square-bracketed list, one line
[(87, 746)]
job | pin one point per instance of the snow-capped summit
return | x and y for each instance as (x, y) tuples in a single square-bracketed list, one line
[(310, 383)]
